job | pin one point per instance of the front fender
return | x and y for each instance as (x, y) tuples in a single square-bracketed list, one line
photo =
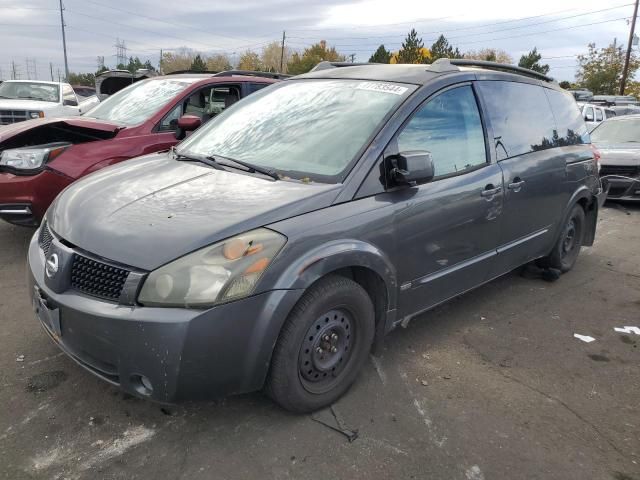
[(335, 255)]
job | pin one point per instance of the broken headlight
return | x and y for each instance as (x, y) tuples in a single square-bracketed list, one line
[(224, 271), (31, 158)]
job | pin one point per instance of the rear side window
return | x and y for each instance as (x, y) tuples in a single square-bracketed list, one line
[(449, 127), (520, 116), (571, 129), (254, 87), (598, 115)]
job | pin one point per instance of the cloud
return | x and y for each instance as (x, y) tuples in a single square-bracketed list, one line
[(31, 28)]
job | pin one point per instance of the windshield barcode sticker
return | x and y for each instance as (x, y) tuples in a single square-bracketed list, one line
[(382, 87)]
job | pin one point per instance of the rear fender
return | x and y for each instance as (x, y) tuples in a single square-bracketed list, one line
[(590, 204)]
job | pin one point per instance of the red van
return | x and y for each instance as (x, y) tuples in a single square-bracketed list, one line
[(39, 158)]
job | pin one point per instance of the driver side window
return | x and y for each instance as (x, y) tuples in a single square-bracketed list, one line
[(448, 126)]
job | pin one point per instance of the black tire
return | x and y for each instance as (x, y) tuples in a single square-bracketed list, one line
[(566, 250), (303, 378)]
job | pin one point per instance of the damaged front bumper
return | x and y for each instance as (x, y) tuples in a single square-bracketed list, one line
[(621, 187)]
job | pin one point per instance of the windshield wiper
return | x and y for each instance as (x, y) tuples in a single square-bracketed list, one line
[(196, 158), (251, 168)]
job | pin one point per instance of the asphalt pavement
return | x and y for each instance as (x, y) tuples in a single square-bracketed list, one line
[(492, 385)]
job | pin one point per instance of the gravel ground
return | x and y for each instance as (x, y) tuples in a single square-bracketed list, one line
[(492, 385)]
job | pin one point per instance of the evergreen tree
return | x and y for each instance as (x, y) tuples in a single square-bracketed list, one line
[(442, 49), (381, 55), (198, 64), (532, 61), (411, 51)]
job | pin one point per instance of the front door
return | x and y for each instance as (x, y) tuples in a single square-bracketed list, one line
[(446, 230)]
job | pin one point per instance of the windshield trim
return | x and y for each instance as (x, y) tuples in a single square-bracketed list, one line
[(341, 176)]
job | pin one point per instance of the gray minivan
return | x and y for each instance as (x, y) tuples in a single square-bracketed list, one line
[(280, 242)]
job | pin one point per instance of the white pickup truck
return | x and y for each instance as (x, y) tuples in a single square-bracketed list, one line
[(595, 114), (26, 99)]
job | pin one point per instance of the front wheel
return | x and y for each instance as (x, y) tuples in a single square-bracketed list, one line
[(566, 250), (323, 345)]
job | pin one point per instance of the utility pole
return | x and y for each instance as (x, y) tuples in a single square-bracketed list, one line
[(625, 70), (353, 57), (282, 53), (160, 63), (13, 70), (64, 41), (51, 70)]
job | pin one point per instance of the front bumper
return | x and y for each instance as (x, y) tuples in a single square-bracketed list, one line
[(24, 199), (183, 353), (622, 188)]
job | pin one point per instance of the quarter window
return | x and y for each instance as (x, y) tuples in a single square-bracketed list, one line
[(520, 116), (449, 127)]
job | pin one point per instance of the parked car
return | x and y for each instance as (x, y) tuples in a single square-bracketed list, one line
[(594, 114), (39, 158), (22, 100), (112, 81), (618, 141), (83, 91), (279, 242)]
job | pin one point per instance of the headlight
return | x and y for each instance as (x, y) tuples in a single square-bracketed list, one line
[(218, 273), (31, 158), (37, 114)]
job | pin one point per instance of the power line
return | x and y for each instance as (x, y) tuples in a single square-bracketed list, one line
[(173, 23), (503, 29)]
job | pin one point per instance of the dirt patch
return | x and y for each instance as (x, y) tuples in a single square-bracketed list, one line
[(46, 381)]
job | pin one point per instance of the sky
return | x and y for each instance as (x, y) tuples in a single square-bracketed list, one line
[(30, 33)]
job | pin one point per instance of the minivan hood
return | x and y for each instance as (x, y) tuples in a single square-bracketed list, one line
[(623, 154), (151, 210), (25, 104)]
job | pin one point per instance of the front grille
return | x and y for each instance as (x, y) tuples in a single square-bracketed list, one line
[(97, 278), (12, 116), (624, 170), (45, 238)]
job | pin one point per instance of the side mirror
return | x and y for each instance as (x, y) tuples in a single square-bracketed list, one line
[(411, 167), (70, 103), (588, 117), (187, 123)]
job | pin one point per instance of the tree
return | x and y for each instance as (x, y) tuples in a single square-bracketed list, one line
[(381, 55), (249, 61), (270, 57), (490, 55), (564, 84), (87, 79), (442, 49), (218, 63), (532, 61), (179, 59), (600, 70), (411, 51), (312, 56), (198, 64), (135, 64)]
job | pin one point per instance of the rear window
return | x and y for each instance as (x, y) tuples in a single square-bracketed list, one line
[(571, 129), (520, 116)]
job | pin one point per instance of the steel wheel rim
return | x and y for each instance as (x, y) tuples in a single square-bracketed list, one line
[(570, 235), (326, 350)]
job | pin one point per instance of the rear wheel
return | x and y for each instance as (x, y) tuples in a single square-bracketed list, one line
[(323, 345), (566, 250)]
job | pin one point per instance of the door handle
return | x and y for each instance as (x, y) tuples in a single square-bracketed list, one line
[(516, 185), (490, 191)]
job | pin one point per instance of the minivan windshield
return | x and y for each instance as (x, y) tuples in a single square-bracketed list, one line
[(138, 102), (300, 128), (45, 92), (625, 130)]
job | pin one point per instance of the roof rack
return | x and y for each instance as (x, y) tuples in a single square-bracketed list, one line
[(465, 62), (230, 73), (252, 73), (326, 65)]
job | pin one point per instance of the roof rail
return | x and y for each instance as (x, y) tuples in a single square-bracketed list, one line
[(325, 65), (465, 62), (252, 73)]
